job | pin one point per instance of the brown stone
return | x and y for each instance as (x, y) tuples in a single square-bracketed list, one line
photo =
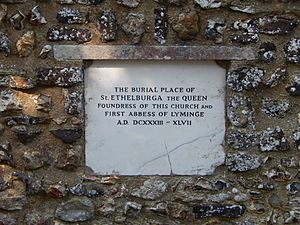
[(26, 44), (13, 198), (68, 135), (186, 25)]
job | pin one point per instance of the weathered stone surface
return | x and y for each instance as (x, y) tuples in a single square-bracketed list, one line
[(278, 173), (204, 184), (60, 120), (57, 190), (241, 197), (6, 158), (275, 108), (293, 217), (292, 50), (35, 159), (294, 201), (36, 17), (3, 12), (266, 25), (289, 162), (177, 210), (239, 111), (34, 183), (26, 134), (241, 139), (242, 7), (276, 24), (41, 216), (98, 52), (26, 120), (161, 25), (245, 38), (69, 16), (8, 101), (186, 25), (177, 2), (4, 43), (13, 197), (275, 201), (135, 26), (43, 102), (107, 25), (108, 207), (273, 140), (294, 89), (132, 208), (267, 186), (276, 76), (159, 207), (6, 70), (129, 3), (267, 52), (26, 44), (69, 158), (227, 211), (63, 33), (247, 26), (296, 137), (12, 203), (293, 188), (88, 189), (76, 210), (257, 207), (65, 77), (152, 189), (68, 135), (209, 4), (241, 162), (19, 82), (5, 145), (45, 51), (73, 101), (215, 28), (2, 129), (4, 81), (220, 185), (245, 78), (17, 20), (6, 219), (86, 2)]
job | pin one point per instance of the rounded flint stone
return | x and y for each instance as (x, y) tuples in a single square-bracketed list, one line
[(6, 219), (227, 211), (292, 50), (76, 210), (245, 78), (69, 16), (273, 140), (69, 135), (241, 162)]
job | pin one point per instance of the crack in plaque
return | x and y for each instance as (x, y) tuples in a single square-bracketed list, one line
[(179, 146), (169, 160)]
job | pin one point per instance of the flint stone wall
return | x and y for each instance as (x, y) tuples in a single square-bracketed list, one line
[(43, 178)]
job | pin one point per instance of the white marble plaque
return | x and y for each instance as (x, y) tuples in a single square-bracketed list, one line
[(154, 118)]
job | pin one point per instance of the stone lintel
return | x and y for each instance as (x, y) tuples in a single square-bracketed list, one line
[(122, 52)]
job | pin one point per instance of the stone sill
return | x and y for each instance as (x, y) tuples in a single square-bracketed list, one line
[(122, 52)]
